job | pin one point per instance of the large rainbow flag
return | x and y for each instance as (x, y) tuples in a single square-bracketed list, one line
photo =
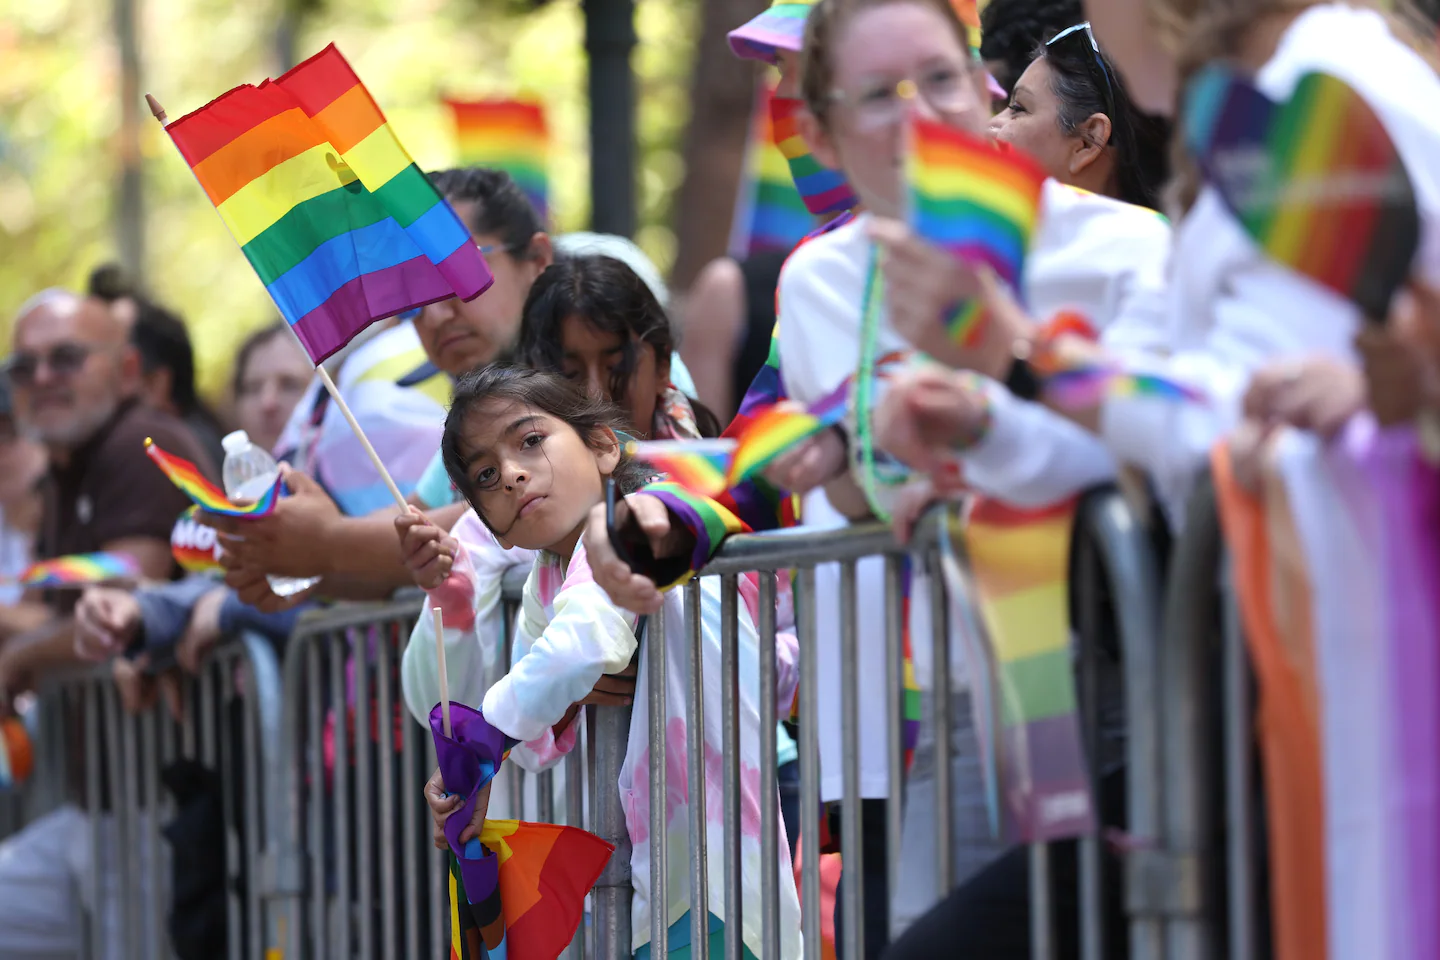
[(509, 135), (341, 226), (1022, 681), (518, 891)]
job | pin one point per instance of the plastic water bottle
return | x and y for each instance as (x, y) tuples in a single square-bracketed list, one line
[(249, 471)]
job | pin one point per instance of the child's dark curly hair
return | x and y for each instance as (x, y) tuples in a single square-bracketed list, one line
[(1011, 30), (545, 392)]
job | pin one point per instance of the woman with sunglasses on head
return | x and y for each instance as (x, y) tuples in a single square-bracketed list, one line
[(1070, 110)]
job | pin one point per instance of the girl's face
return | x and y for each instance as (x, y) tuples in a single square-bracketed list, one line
[(1031, 122), (275, 377), (532, 477), (459, 336), (597, 358), (878, 49)]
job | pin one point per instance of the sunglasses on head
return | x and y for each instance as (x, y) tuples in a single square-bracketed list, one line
[(1098, 59), (63, 360)]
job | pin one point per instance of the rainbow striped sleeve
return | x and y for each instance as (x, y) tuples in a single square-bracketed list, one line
[(709, 520)]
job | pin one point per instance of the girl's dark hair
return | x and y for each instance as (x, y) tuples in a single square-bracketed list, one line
[(1010, 30), (252, 343), (500, 207), (1085, 83), (546, 392), (822, 27), (613, 299)]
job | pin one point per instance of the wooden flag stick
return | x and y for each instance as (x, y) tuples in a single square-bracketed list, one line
[(444, 678), (158, 112)]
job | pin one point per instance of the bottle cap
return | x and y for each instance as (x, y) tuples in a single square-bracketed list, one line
[(235, 442)]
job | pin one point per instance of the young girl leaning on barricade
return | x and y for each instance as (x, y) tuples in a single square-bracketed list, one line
[(531, 452)]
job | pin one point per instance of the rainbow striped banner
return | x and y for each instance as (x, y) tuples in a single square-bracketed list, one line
[(80, 570), (509, 135), (338, 222), (1022, 682)]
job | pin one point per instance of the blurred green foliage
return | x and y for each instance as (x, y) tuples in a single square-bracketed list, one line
[(59, 114)]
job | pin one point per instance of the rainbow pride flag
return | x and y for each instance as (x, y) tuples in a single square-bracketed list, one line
[(522, 885), (338, 222), (1023, 685), (776, 429), (974, 200), (202, 492), (79, 570), (697, 465), (509, 135), (1085, 386), (770, 213)]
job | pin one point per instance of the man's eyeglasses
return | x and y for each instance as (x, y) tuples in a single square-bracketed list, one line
[(63, 360), (1098, 58)]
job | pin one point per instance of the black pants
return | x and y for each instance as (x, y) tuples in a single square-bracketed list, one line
[(875, 880), (988, 918)]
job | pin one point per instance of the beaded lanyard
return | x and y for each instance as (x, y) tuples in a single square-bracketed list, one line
[(863, 394)]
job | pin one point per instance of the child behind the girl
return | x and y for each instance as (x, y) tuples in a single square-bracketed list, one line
[(531, 453)]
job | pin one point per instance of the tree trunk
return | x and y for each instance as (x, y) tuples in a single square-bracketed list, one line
[(722, 95)]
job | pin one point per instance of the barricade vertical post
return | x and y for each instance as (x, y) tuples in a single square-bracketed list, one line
[(217, 704), (385, 758), (944, 723), (1133, 573), (612, 892), (894, 713), (124, 787), (1239, 785), (344, 837), (364, 794), (256, 935), (769, 776), (809, 765), (655, 668), (695, 768), (852, 852), (730, 725), (151, 852), (1086, 574), (94, 756), (575, 808), (412, 818), (315, 792), (1042, 916)]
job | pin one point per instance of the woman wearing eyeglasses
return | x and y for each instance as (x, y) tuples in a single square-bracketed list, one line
[(1070, 110)]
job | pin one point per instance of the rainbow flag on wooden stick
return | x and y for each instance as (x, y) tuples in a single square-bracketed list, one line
[(509, 135), (341, 226), (976, 201)]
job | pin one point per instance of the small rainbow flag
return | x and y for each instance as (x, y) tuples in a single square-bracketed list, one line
[(976, 201), (202, 492), (509, 135), (1316, 181), (341, 226), (776, 429), (79, 570), (771, 214), (699, 466), (1085, 386)]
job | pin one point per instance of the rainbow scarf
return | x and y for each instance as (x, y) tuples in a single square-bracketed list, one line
[(823, 190), (977, 202), (523, 884), (79, 570), (771, 214), (205, 494), (1022, 681), (508, 135), (341, 226)]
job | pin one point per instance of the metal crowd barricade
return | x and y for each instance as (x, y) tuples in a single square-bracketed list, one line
[(109, 765), (329, 842)]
